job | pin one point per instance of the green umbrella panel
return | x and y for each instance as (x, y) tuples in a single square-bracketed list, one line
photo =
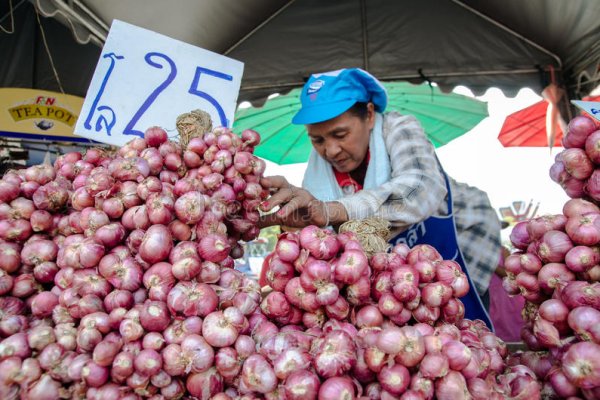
[(444, 117)]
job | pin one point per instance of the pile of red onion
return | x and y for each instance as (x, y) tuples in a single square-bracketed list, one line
[(116, 270), (387, 327), (575, 167), (117, 281), (556, 268)]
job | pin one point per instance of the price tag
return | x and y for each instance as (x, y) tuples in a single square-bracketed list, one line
[(144, 79), (590, 107)]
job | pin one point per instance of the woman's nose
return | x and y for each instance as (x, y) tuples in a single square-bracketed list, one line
[(332, 149)]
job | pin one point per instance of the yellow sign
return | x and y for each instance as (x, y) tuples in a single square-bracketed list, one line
[(39, 115)]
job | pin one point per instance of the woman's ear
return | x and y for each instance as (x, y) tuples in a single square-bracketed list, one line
[(370, 115)]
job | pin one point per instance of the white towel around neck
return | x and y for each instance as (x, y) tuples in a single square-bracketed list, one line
[(319, 178)]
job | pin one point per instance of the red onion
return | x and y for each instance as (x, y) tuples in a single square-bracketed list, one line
[(227, 363), (584, 229), (350, 266), (159, 281), (278, 273), (214, 247), (275, 305), (457, 354), (554, 275), (148, 362), (321, 243), (301, 384), (155, 136), (575, 208), (591, 186), (546, 333), (290, 360), (199, 353), (156, 245), (579, 293), (43, 304), (561, 384), (581, 364), (581, 258), (93, 374), (186, 269), (9, 191), (395, 378), (585, 322), (553, 246), (154, 316), (452, 387), (335, 355), (10, 259), (579, 128), (338, 387), (191, 299), (218, 330), (577, 163), (257, 375), (288, 250), (43, 389)]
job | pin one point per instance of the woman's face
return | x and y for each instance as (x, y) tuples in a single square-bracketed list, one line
[(343, 141)]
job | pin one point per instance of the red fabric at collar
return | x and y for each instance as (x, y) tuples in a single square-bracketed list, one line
[(344, 179)]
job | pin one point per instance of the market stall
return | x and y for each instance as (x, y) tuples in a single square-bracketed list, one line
[(118, 279)]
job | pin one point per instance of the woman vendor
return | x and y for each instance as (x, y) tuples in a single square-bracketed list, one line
[(367, 163)]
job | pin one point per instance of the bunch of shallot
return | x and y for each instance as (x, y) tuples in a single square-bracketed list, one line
[(575, 167), (116, 271), (556, 268), (387, 327)]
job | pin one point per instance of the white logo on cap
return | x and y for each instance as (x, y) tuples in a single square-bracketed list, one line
[(315, 86)]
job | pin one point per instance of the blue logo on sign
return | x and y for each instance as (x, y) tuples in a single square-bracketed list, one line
[(315, 86)]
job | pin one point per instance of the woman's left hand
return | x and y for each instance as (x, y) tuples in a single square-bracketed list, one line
[(298, 207)]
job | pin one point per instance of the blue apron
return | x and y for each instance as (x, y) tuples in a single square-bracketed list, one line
[(440, 232)]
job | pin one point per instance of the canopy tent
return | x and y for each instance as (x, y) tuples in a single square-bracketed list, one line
[(508, 44)]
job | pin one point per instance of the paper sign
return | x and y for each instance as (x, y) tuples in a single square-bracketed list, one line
[(590, 107), (144, 79)]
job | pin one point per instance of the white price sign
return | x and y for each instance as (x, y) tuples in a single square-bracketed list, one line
[(145, 79), (590, 107)]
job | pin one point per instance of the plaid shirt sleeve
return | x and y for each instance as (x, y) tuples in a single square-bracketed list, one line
[(417, 190), (416, 187), (478, 231)]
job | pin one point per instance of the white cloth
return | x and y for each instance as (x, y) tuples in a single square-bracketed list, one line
[(319, 178)]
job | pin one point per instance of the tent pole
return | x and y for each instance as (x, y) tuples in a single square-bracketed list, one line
[(508, 30), (253, 31)]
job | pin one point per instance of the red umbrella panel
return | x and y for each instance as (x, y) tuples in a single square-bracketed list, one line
[(527, 127)]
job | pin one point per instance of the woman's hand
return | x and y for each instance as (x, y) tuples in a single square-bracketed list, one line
[(298, 208)]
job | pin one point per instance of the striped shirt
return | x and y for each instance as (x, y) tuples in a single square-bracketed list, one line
[(417, 190)]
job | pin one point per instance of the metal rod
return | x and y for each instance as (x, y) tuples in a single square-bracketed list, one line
[(92, 15), (93, 30), (253, 31), (365, 34), (14, 8), (407, 76), (509, 30)]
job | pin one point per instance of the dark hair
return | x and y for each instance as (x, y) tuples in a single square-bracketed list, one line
[(359, 109)]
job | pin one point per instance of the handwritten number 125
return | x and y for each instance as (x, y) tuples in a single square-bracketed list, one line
[(129, 129)]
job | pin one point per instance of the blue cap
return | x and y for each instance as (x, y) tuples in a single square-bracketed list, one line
[(327, 95)]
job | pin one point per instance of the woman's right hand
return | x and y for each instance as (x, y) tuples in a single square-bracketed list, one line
[(297, 207)]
